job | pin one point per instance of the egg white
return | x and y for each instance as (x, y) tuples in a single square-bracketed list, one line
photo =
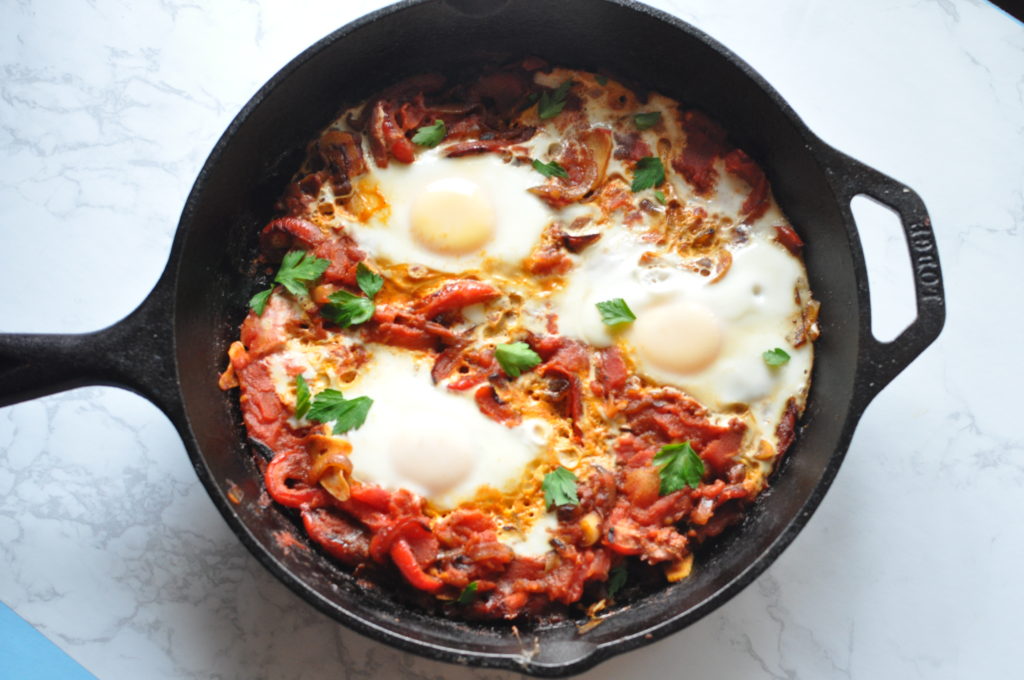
[(431, 441), (519, 216), (535, 538), (754, 304)]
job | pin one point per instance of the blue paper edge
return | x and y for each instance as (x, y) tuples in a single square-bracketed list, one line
[(27, 654)]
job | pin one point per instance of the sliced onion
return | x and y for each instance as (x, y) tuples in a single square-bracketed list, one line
[(331, 465)]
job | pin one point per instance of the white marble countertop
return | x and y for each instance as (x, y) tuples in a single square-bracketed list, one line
[(111, 547)]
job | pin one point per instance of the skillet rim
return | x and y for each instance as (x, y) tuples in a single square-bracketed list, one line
[(821, 152)]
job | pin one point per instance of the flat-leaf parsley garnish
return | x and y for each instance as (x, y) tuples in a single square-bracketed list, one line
[(616, 579), (551, 169), (648, 173), (659, 196), (516, 357), (775, 357), (369, 281), (301, 396), (259, 301), (646, 120), (348, 309), (468, 593), (430, 135), (560, 488), (298, 269), (347, 414), (678, 466), (614, 312), (553, 101)]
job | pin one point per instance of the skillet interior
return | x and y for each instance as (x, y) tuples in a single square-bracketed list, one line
[(232, 199)]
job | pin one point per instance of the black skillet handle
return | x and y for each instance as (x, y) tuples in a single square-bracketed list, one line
[(880, 362), (135, 353)]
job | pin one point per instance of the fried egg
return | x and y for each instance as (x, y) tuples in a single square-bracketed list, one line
[(454, 214), (705, 337), (431, 441), (445, 451)]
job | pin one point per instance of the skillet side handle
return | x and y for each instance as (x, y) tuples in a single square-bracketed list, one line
[(136, 353), (881, 362)]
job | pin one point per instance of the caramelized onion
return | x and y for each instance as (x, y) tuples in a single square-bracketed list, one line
[(331, 465), (599, 142), (679, 569), (585, 158), (590, 524)]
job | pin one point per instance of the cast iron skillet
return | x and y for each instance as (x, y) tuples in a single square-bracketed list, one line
[(173, 346)]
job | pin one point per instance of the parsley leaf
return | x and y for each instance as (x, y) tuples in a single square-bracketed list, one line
[(551, 169), (646, 120), (679, 466), (299, 268), (649, 172), (553, 101), (468, 593), (369, 282), (259, 301), (515, 358), (616, 579), (660, 196), (347, 309), (301, 396), (601, 80), (430, 135), (347, 414), (775, 357), (559, 488), (614, 312)]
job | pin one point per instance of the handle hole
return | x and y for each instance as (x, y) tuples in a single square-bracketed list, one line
[(890, 272)]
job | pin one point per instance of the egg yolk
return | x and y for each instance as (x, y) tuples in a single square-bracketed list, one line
[(428, 455), (681, 337), (452, 216)]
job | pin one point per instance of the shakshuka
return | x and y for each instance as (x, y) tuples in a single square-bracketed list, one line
[(523, 339)]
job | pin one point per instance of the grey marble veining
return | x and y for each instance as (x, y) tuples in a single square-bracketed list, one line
[(110, 546)]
